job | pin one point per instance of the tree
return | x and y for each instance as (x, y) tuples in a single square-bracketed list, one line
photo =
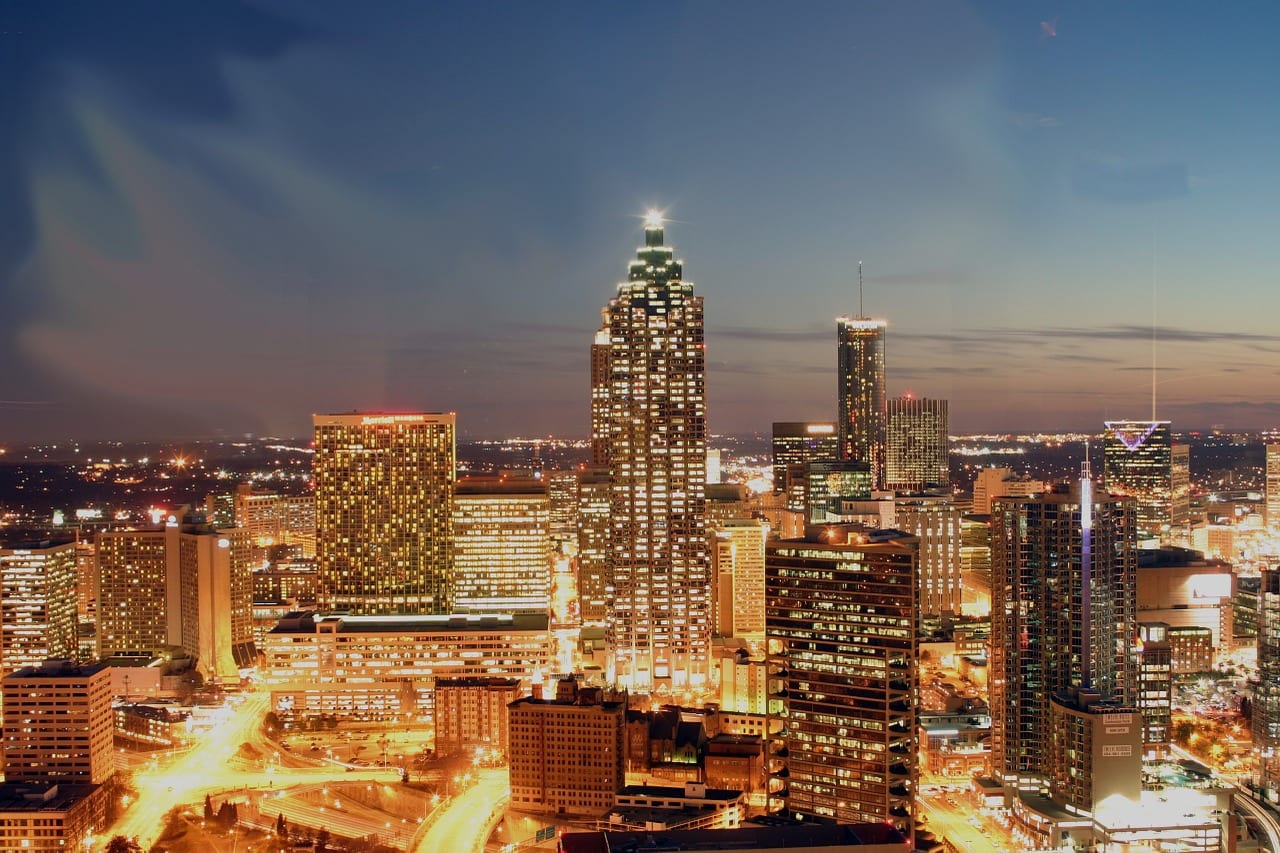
[(282, 826), (322, 840), (208, 808), (271, 723), (120, 844)]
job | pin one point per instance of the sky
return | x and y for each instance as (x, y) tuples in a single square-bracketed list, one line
[(217, 219)]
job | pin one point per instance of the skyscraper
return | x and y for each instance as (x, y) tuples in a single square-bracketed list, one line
[(917, 453), (860, 374), (1063, 615), (794, 444), (1266, 693), (1141, 460), (656, 450), (38, 604), (501, 546), (841, 638), (384, 498), (1273, 486)]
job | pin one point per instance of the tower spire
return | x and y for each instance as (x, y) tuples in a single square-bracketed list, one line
[(861, 314)]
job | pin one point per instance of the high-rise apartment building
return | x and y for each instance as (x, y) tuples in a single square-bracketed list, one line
[(58, 723), (1154, 695), (841, 635), (501, 546), (138, 606), (37, 604), (935, 522), (861, 377), (1063, 615), (1266, 692), (1141, 460), (384, 503), (1273, 486), (918, 448), (656, 450), (794, 444)]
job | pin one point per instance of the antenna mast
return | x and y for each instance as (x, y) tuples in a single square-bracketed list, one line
[(1154, 327), (861, 313)]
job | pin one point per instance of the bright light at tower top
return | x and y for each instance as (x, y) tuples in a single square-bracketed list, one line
[(653, 218)]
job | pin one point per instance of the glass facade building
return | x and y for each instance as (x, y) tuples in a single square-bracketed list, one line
[(917, 452), (860, 373), (794, 445), (1141, 460)]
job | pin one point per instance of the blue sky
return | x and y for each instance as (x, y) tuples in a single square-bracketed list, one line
[(219, 218)]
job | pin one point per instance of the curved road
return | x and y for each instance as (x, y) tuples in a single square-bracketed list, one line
[(463, 827)]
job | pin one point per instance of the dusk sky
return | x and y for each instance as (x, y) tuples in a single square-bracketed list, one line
[(216, 219)]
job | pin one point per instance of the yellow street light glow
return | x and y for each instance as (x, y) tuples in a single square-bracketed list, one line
[(653, 218)]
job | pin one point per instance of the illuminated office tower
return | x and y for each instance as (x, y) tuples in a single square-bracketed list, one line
[(1141, 460), (38, 604), (601, 391), (562, 503), (917, 451), (935, 521), (501, 546), (58, 724), (860, 374), (831, 486), (795, 444), (137, 592), (1063, 615), (1273, 487), (737, 559), (1266, 692), (384, 502), (841, 638), (595, 572), (215, 594), (657, 456)]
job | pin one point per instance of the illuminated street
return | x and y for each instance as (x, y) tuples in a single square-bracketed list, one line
[(955, 823), (465, 824)]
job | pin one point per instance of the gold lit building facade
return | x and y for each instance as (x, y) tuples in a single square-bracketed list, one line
[(38, 606), (384, 498), (501, 546)]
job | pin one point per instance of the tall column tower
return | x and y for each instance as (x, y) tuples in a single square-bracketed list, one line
[(653, 422)]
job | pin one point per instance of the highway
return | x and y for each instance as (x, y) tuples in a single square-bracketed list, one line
[(1266, 818), (464, 825), (951, 825)]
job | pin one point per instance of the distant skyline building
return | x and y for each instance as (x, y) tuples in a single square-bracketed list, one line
[(842, 651), (860, 374), (794, 444), (1141, 460), (384, 502), (656, 449), (1273, 486), (917, 453), (501, 545), (38, 606), (1063, 625)]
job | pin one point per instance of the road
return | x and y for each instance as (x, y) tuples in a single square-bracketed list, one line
[(463, 826), (1266, 818), (946, 822)]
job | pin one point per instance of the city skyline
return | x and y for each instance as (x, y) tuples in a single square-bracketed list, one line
[(317, 209)]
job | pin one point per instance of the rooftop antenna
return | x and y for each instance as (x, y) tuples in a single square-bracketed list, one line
[(861, 313), (1154, 327)]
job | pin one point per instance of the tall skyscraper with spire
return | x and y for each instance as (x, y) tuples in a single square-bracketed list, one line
[(863, 405), (651, 419)]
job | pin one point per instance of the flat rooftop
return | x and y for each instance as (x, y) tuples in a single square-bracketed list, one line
[(304, 622), (746, 838)]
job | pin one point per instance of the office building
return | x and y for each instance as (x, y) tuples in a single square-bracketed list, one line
[(501, 546), (38, 606), (471, 715), (860, 374), (1181, 588), (562, 503), (1141, 460), (384, 503), (737, 559), (840, 627), (794, 444), (1266, 692), (383, 668), (215, 596), (834, 489), (594, 560), (58, 723), (567, 752), (1155, 687), (656, 451), (51, 815), (1063, 620), (918, 448), (1273, 486), (935, 521), (1002, 482)]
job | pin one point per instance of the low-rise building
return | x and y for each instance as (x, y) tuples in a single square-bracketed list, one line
[(471, 713), (48, 815), (660, 808)]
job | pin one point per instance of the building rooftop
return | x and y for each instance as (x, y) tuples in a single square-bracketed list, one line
[(306, 622), (478, 681), (746, 838), (671, 792), (42, 796), (58, 669)]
